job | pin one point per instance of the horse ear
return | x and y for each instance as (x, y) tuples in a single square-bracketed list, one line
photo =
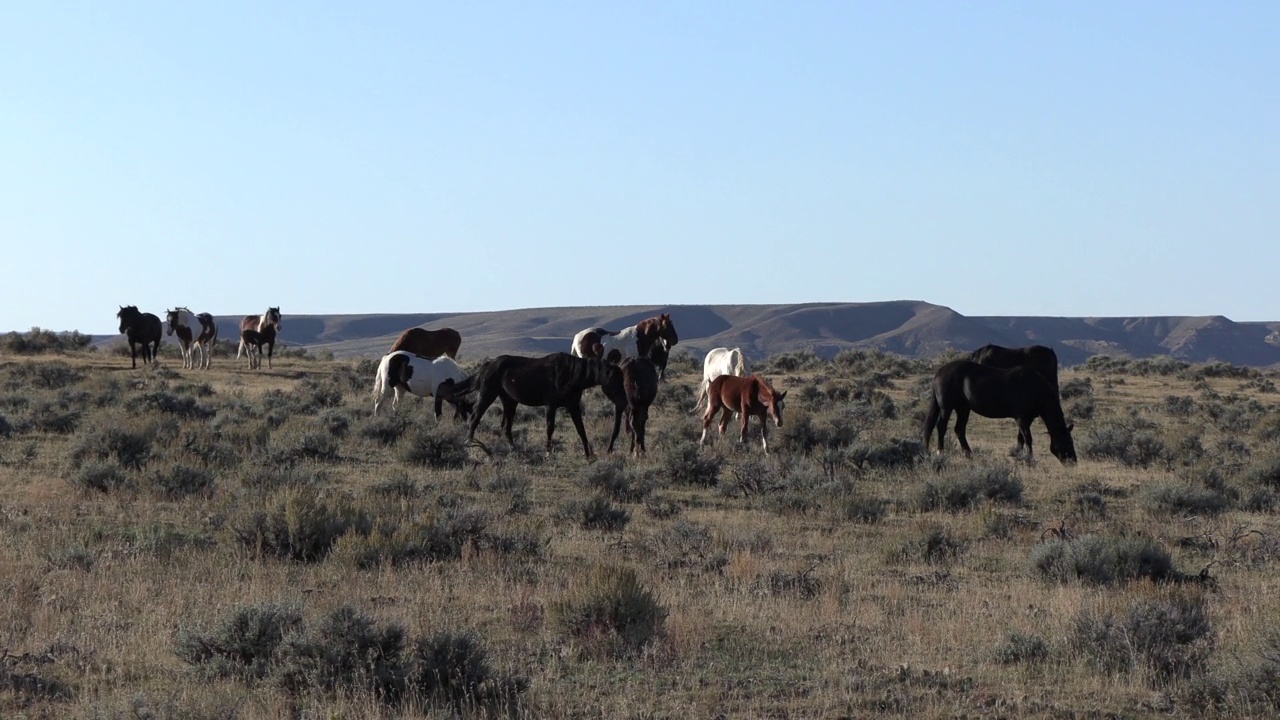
[(782, 395), (1071, 427)]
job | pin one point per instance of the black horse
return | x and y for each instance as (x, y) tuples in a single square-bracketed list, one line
[(632, 391), (1019, 393), (554, 381), (141, 329), (1040, 358)]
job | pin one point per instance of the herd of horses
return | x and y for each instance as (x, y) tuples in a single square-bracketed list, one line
[(628, 365)]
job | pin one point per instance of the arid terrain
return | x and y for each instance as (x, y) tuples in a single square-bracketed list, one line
[(253, 544)]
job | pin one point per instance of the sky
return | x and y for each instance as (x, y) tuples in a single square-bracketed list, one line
[(999, 158)]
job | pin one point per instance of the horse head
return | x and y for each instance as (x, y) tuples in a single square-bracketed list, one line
[(127, 314), (773, 400), (272, 317), (667, 331), (1062, 446), (171, 320)]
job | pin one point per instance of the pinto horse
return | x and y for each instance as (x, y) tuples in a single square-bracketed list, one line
[(402, 372), (1019, 393), (140, 329), (263, 328), (554, 381), (429, 343), (182, 322), (720, 361), (632, 391), (749, 396), (635, 341), (1040, 358)]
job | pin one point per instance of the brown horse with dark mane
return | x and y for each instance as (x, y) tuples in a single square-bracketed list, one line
[(1019, 393), (429, 344), (1040, 358), (632, 391), (554, 381), (142, 329), (261, 331), (639, 340), (749, 396)]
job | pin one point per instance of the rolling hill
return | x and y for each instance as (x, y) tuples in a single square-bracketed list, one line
[(906, 327)]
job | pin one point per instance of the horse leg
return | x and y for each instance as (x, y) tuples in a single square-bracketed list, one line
[(551, 424), (617, 426), (962, 421), (575, 414), (509, 407), (486, 399), (271, 349), (746, 421), (713, 404), (133, 354), (1024, 431), (638, 423), (724, 418), (764, 432)]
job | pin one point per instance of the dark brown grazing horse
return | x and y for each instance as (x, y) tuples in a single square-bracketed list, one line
[(142, 329), (632, 391), (266, 326), (1040, 358), (429, 344), (554, 381), (749, 396), (635, 341), (1019, 393)]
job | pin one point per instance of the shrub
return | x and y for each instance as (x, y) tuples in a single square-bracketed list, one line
[(1020, 648), (968, 488), (177, 480), (612, 477), (162, 401), (1264, 471), (936, 545), (1076, 388), (348, 652), (453, 669), (1103, 560), (436, 539), (689, 465), (1187, 499), (863, 509), (1124, 444), (50, 418), (893, 453), (438, 449), (101, 476), (385, 429), (1170, 638), (298, 526), (243, 645), (130, 448), (600, 514), (614, 612)]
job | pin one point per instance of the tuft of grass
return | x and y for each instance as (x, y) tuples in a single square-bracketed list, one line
[(1103, 560), (968, 488), (615, 613), (685, 464), (1169, 638), (438, 448), (244, 644), (1020, 648)]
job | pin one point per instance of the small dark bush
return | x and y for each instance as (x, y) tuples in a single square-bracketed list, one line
[(453, 669), (130, 448), (1124, 444), (438, 449), (243, 645), (690, 465), (163, 401), (894, 453), (335, 422), (316, 445), (969, 488), (1170, 638), (49, 418), (661, 508), (348, 652), (1263, 471), (615, 612), (1020, 648), (178, 481), (1076, 388), (385, 429), (864, 509), (6, 428), (600, 514), (936, 545), (101, 476), (1103, 560), (1186, 499), (805, 585), (298, 526), (614, 478)]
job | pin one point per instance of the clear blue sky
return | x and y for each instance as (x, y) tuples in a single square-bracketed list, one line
[(1046, 158)]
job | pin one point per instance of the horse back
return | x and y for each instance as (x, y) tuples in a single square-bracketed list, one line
[(640, 380)]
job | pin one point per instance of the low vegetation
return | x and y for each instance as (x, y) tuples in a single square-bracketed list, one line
[(235, 544)]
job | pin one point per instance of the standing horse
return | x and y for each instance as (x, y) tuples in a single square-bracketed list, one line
[(634, 341), (182, 322), (251, 342), (720, 361), (1019, 393), (632, 391), (140, 329), (266, 326), (554, 381), (401, 372), (1040, 358), (429, 343), (749, 396)]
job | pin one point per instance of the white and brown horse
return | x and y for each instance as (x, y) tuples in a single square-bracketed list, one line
[(256, 331), (635, 341), (196, 334), (429, 343)]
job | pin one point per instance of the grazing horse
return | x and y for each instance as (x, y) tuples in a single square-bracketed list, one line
[(1037, 357), (554, 381), (635, 341), (140, 329), (748, 396), (720, 361), (182, 322), (402, 372), (265, 326), (632, 391), (429, 343), (1019, 393)]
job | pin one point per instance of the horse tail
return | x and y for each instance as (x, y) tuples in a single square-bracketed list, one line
[(702, 395), (931, 418), (739, 363)]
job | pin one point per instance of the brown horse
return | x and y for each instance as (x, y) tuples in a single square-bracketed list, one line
[(632, 391), (748, 396), (196, 334), (429, 344), (639, 340), (265, 326), (140, 329)]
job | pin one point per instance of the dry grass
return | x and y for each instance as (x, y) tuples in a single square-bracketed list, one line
[(776, 603)]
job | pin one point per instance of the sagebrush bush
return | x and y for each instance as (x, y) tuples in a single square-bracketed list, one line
[(935, 545), (244, 644), (1186, 499), (1169, 638), (347, 652), (614, 613), (130, 448), (432, 540), (178, 480), (616, 479), (685, 464), (385, 429), (1022, 648), (101, 476), (297, 525), (184, 406), (892, 453), (1124, 444), (453, 669), (1102, 560), (600, 514), (438, 449), (969, 487)]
